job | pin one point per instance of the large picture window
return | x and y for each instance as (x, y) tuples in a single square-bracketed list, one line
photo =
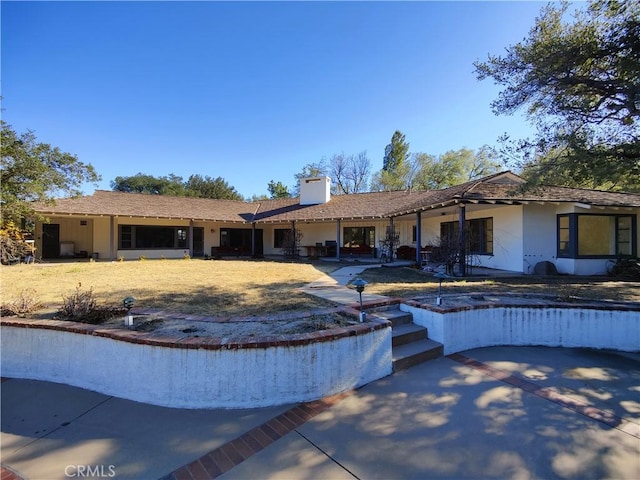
[(358, 236), (149, 237), (478, 235), (596, 236)]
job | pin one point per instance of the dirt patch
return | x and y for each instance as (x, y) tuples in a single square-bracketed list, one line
[(167, 326)]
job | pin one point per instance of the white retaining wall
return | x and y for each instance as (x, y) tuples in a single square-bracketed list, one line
[(197, 378), (552, 327)]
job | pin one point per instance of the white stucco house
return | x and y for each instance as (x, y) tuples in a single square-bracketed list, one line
[(506, 226)]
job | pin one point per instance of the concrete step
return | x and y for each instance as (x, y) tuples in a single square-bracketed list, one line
[(395, 316), (406, 356), (407, 333)]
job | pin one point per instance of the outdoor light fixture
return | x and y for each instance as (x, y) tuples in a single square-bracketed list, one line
[(440, 276), (128, 304), (360, 284)]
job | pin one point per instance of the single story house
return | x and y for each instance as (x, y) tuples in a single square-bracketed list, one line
[(504, 226)]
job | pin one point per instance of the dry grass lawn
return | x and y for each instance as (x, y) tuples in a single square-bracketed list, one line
[(232, 288), (407, 283), (217, 288)]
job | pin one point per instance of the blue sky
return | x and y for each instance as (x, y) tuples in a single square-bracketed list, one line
[(253, 91)]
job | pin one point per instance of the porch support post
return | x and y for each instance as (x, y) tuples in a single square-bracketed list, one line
[(112, 236), (293, 240), (191, 238), (338, 241), (419, 238), (462, 239), (253, 239), (391, 236)]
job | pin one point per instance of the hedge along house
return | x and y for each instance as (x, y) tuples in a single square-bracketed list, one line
[(500, 224)]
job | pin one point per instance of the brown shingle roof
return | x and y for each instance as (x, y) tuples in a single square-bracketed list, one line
[(502, 187), (554, 194), (507, 187), (353, 206), (107, 203)]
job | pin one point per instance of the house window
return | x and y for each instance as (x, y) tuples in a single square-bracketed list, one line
[(624, 236), (596, 236), (151, 237), (358, 236), (478, 235), (279, 234), (125, 236), (181, 234), (564, 239)]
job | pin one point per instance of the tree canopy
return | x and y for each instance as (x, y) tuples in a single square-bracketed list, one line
[(452, 168), (278, 190), (33, 171), (207, 187), (317, 169), (396, 171), (580, 84), (196, 186), (395, 153), (350, 173), (143, 183)]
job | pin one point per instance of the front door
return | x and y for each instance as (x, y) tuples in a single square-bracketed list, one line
[(50, 240), (198, 241)]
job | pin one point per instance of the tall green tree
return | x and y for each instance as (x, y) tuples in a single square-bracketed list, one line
[(396, 170), (278, 190), (33, 171), (579, 81), (396, 153)]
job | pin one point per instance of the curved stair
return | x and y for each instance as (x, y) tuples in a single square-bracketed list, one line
[(410, 342)]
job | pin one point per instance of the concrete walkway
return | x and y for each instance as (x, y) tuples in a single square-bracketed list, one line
[(516, 412), (333, 286)]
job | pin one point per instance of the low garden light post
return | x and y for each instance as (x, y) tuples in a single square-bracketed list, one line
[(128, 304), (440, 276), (360, 284)]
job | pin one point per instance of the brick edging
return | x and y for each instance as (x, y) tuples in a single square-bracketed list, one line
[(7, 473), (224, 458), (548, 393)]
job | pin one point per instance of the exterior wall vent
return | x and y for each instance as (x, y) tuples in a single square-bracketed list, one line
[(315, 190)]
